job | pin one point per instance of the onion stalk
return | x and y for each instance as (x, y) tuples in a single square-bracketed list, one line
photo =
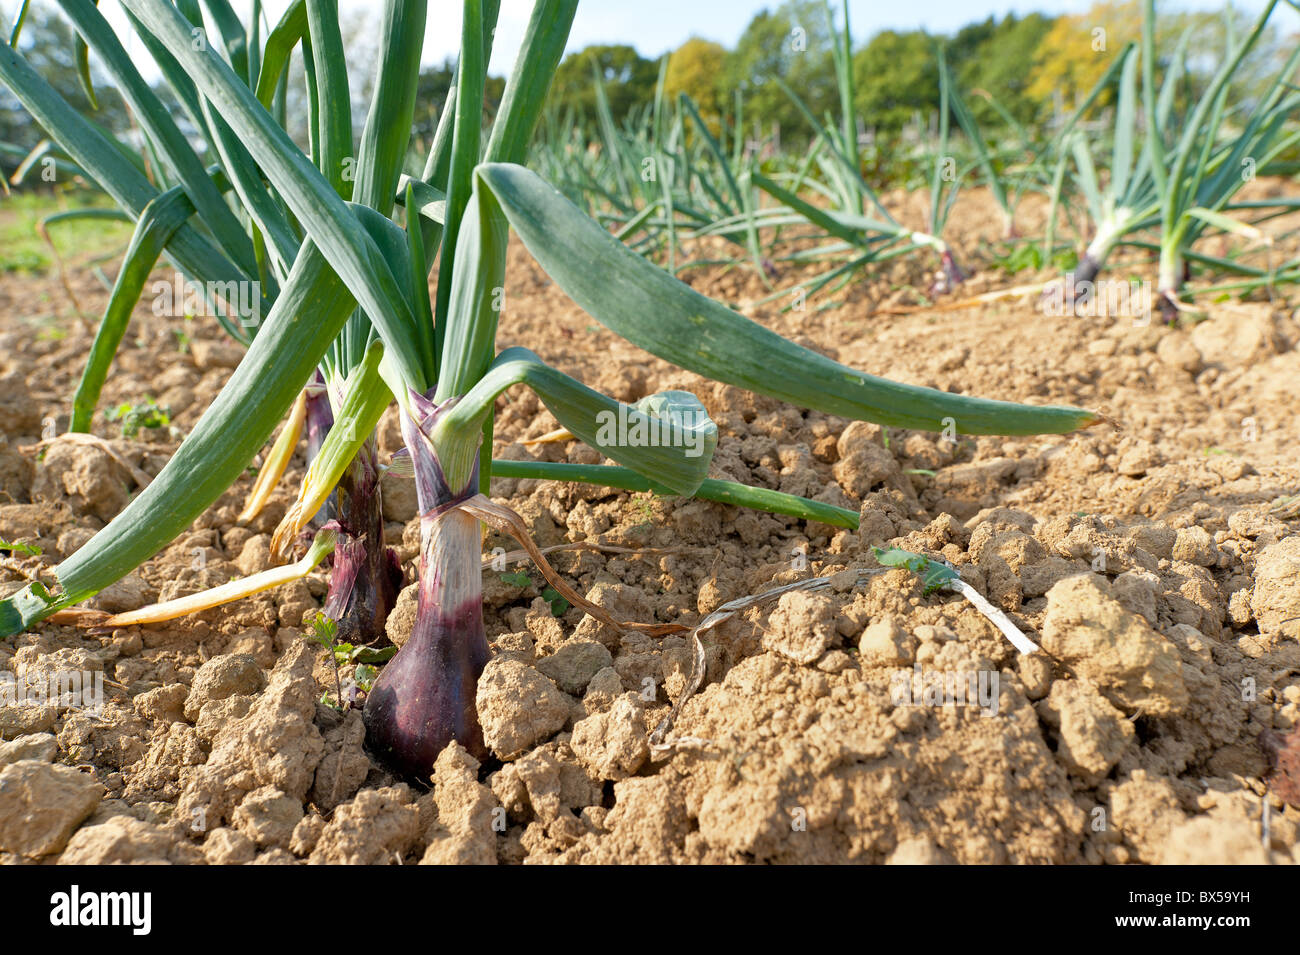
[(424, 698), (366, 576)]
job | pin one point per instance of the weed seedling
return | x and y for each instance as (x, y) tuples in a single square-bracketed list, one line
[(146, 414)]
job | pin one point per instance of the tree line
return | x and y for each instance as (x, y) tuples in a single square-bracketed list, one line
[(1018, 69)]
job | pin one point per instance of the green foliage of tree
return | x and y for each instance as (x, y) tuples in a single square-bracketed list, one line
[(994, 57), (896, 76), (628, 77), (897, 73), (431, 94), (793, 44)]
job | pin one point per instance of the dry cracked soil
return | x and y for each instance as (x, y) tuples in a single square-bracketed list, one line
[(1146, 557)]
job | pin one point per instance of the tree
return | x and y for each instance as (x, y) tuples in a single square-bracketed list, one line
[(896, 75), (792, 44), (991, 57), (628, 78), (431, 97), (1076, 52), (694, 68)]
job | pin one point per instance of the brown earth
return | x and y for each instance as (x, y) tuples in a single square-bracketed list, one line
[(1145, 558)]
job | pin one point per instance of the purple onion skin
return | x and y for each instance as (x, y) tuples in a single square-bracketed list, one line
[(1168, 310), (320, 418), (1085, 273), (952, 275), (952, 271), (1087, 269), (424, 698), (366, 577)]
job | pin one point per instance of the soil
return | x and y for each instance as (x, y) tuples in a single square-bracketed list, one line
[(1146, 557)]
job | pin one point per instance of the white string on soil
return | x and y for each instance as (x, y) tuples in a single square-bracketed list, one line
[(994, 615)]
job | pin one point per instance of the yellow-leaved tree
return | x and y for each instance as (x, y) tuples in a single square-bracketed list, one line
[(694, 68), (1074, 54)]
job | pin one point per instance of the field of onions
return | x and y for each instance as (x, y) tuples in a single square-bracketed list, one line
[(636, 491)]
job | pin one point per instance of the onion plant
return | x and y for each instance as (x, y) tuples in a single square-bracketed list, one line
[(1204, 175), (1180, 175), (353, 300), (1129, 200), (659, 175), (852, 211), (366, 577)]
